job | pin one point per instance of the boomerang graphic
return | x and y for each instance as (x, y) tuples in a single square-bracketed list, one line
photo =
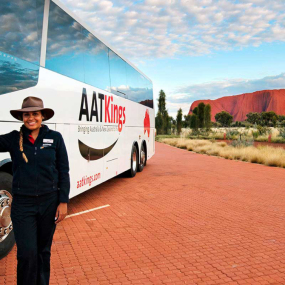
[(90, 153)]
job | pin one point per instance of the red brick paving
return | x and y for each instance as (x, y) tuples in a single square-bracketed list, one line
[(186, 219)]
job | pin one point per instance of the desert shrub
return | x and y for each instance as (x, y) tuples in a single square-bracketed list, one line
[(262, 154), (242, 142), (263, 130), (232, 134), (282, 133), (255, 134)]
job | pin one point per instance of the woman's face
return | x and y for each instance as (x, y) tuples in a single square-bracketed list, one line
[(33, 120)]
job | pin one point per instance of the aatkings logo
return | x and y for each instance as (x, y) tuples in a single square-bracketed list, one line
[(111, 113)]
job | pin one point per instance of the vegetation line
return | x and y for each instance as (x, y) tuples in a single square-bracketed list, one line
[(270, 156)]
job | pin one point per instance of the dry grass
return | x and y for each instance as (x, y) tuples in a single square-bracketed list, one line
[(266, 155)]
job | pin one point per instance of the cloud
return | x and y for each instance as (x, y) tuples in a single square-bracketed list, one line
[(19, 34), (157, 28), (17, 75), (184, 96)]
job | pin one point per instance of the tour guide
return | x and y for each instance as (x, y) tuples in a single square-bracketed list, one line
[(40, 189)]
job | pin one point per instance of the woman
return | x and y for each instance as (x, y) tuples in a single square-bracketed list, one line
[(40, 189)]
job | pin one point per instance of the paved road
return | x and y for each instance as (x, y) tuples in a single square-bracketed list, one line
[(186, 219)]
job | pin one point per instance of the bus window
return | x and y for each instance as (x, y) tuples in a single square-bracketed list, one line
[(65, 46), (118, 75), (132, 82), (96, 62), (139, 88), (20, 38)]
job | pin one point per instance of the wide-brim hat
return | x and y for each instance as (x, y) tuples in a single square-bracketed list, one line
[(32, 104)]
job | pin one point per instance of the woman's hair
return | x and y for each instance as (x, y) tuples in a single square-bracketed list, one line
[(21, 146)]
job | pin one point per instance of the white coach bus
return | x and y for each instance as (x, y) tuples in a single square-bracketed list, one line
[(103, 104)]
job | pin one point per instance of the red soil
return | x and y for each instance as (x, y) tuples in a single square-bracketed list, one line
[(186, 219)]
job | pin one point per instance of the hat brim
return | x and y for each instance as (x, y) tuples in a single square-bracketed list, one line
[(18, 114)]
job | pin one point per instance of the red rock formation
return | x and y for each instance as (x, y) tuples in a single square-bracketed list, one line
[(240, 105)]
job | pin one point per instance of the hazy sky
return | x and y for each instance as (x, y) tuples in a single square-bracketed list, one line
[(195, 49)]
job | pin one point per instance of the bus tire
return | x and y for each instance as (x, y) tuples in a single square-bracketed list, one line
[(134, 161), (142, 158), (7, 240)]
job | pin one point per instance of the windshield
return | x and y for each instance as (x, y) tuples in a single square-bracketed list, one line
[(20, 38)]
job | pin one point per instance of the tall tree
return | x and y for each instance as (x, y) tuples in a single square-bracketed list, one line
[(162, 102), (166, 120), (201, 113), (195, 111), (194, 122), (179, 121), (224, 118), (207, 116), (187, 120), (159, 123), (162, 116)]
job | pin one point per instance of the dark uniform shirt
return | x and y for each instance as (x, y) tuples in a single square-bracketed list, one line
[(47, 169)]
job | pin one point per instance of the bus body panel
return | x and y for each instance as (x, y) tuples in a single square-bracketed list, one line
[(64, 95)]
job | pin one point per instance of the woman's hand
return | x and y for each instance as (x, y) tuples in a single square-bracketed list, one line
[(61, 212)]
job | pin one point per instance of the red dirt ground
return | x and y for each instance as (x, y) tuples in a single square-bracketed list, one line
[(186, 219)]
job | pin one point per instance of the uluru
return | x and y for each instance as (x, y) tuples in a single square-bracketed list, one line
[(240, 105)]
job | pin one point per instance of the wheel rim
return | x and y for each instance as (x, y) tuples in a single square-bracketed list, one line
[(142, 157), (5, 214), (134, 165)]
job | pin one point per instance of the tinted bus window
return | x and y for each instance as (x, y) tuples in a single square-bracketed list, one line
[(65, 44), (20, 38), (96, 62), (139, 88), (132, 83), (118, 75)]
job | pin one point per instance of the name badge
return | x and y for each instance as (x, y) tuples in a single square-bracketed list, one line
[(48, 140)]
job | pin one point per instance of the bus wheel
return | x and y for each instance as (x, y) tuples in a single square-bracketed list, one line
[(142, 159), (7, 239), (134, 162)]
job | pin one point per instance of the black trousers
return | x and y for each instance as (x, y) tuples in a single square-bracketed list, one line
[(33, 223)]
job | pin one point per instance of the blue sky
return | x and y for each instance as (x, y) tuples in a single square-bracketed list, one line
[(195, 49)]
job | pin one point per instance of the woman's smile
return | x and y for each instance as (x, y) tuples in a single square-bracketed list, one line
[(32, 120)]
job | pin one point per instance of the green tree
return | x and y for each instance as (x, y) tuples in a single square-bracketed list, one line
[(173, 125), (162, 102), (187, 120), (195, 111), (159, 123), (269, 118), (162, 120), (254, 118), (224, 118), (207, 116), (179, 121), (166, 121), (194, 122), (201, 113)]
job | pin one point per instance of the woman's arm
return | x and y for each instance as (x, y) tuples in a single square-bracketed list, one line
[(62, 166), (6, 142)]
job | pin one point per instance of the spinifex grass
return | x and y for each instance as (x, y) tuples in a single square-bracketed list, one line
[(262, 154)]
